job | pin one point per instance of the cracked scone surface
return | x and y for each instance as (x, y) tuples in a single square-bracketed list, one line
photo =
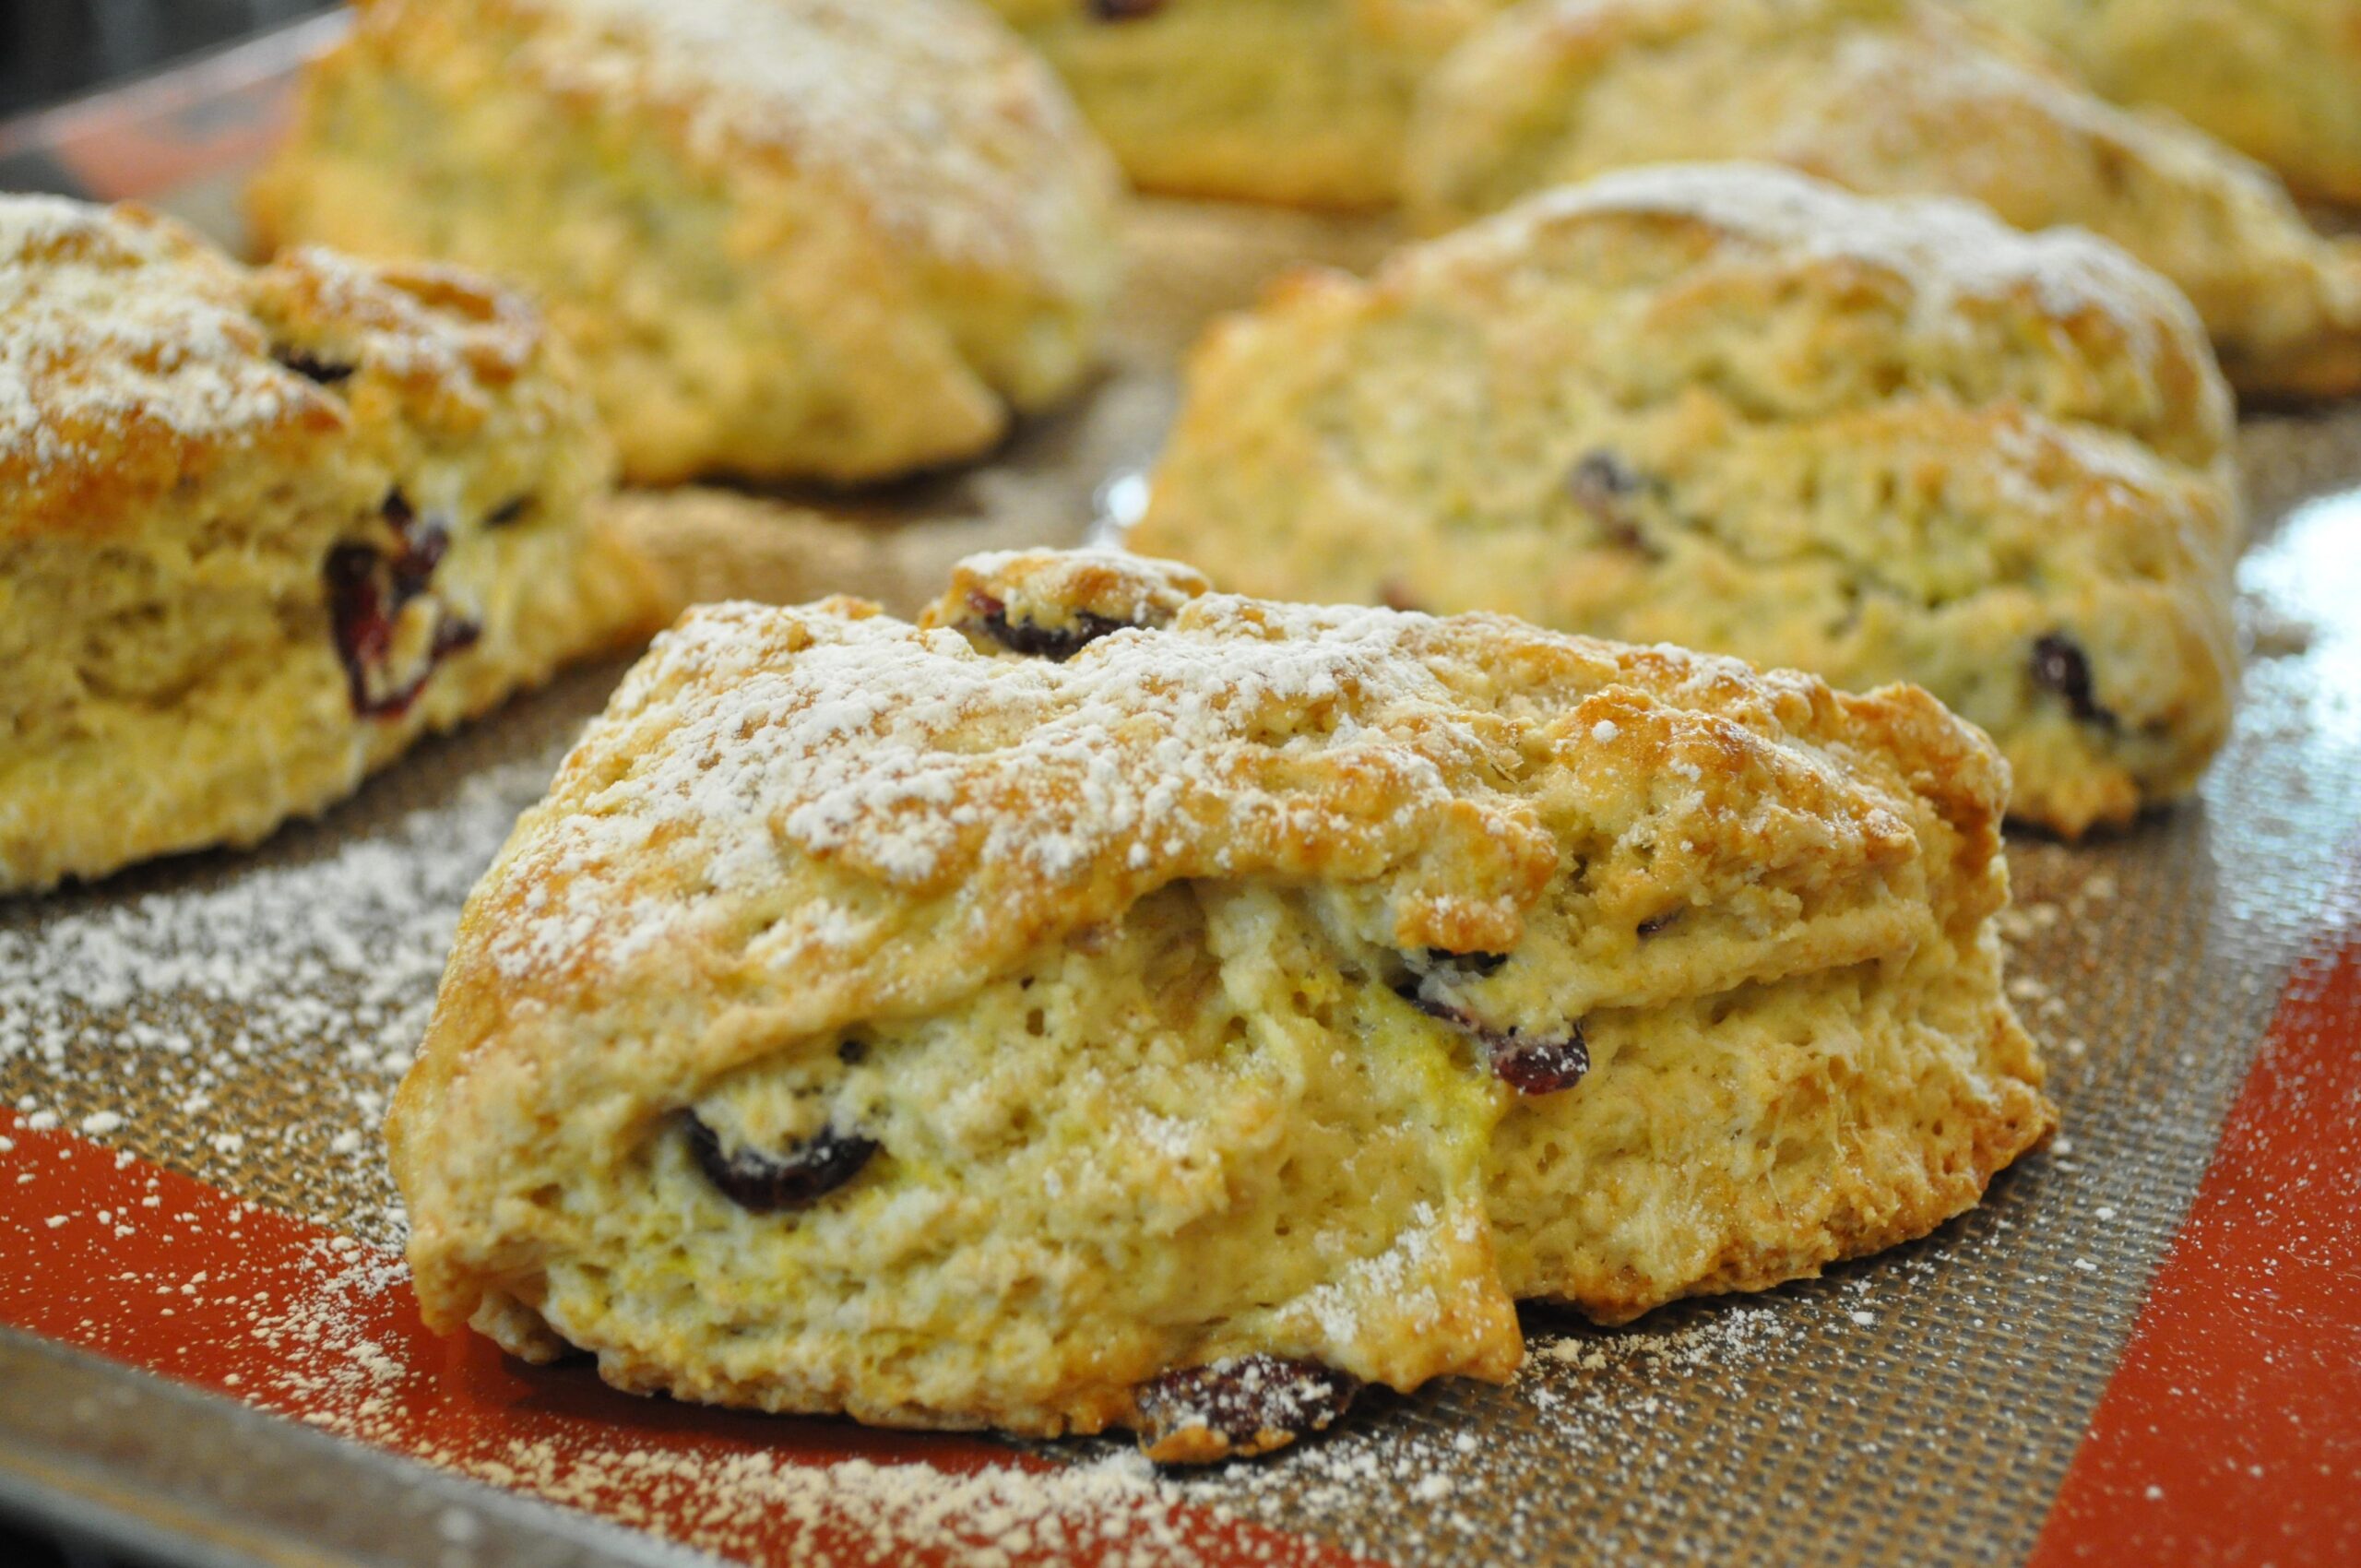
[(831, 239), (1890, 98), (261, 530), (1733, 407), (1107, 1003), (1302, 103), (2278, 80)]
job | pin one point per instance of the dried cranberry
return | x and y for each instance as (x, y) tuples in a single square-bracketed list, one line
[(1602, 486), (357, 611), (1056, 643), (2060, 665), (1541, 1066), (1527, 1065), (765, 1183), (1601, 477), (1251, 1403), (455, 633), (1467, 963), (367, 590), (1123, 10), (328, 373)]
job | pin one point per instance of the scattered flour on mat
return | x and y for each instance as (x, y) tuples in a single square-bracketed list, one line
[(334, 1361), (1403, 1473), (1452, 1474), (261, 1020)]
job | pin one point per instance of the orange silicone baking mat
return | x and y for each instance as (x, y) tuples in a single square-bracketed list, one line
[(2145, 1348)]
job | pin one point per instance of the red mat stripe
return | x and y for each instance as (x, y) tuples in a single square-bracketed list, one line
[(127, 1259), (2231, 1431)]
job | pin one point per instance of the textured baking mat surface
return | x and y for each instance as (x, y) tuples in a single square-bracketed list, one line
[(243, 1020)]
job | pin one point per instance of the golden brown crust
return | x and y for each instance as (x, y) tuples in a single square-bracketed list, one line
[(106, 312), (801, 86), (139, 358)]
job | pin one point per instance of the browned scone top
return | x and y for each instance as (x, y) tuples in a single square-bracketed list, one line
[(950, 1023), (810, 755), (139, 358)]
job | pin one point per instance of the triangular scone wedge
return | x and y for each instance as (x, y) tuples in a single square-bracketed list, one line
[(1731, 407), (1890, 98), (833, 240), (1111, 1004)]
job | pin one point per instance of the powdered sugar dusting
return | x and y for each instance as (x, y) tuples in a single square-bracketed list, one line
[(339, 1358), (252, 1027), (116, 323), (129, 343), (1458, 1469), (755, 736), (1402, 1276), (1952, 249), (856, 1510)]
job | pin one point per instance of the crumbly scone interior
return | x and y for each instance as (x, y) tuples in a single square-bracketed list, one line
[(1178, 1140), (1608, 438), (194, 674), (196, 683), (1732, 1141), (738, 308), (1209, 1133), (1238, 1013), (1738, 1126)]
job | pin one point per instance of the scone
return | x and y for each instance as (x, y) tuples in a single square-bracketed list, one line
[(2278, 80), (1733, 407), (1890, 96), (1109, 1004), (260, 531), (822, 239), (1296, 102)]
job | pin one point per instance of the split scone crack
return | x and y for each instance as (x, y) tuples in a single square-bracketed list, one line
[(1892, 98), (1107, 1003), (261, 529), (790, 239), (1302, 103), (1733, 407)]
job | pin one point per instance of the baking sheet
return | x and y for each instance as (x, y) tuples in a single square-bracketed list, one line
[(241, 1020)]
